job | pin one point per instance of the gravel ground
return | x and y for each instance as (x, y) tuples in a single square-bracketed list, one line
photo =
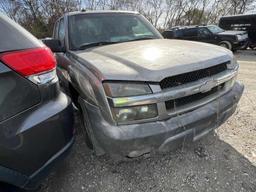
[(223, 161)]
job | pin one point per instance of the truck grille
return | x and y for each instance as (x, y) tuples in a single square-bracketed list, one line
[(172, 104), (192, 76)]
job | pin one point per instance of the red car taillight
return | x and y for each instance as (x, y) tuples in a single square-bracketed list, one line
[(37, 64)]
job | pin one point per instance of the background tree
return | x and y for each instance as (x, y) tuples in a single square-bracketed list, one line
[(39, 16)]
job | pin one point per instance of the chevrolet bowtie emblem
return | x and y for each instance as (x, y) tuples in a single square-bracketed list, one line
[(207, 86)]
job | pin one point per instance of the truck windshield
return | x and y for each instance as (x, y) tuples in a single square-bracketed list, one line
[(87, 30), (215, 29)]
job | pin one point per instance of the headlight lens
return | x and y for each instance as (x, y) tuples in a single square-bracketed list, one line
[(129, 114), (121, 91), (117, 89)]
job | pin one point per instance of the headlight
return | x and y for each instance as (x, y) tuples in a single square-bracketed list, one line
[(121, 93), (117, 89), (233, 64), (129, 114), (239, 37)]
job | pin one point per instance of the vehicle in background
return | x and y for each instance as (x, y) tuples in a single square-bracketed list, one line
[(136, 91), (241, 23), (232, 40), (36, 118)]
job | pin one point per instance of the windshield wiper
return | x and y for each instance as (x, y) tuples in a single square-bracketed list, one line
[(94, 44), (142, 38)]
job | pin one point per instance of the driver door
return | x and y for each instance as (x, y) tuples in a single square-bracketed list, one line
[(204, 35)]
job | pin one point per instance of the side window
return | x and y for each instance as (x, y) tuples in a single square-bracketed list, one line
[(61, 31), (140, 29), (55, 32), (190, 33), (202, 32)]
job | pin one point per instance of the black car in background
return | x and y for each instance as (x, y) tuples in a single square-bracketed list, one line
[(241, 23), (36, 118), (213, 34)]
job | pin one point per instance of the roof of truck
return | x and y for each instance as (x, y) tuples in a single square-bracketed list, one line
[(240, 15), (100, 11)]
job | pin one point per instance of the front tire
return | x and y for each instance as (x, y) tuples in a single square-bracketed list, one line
[(226, 44)]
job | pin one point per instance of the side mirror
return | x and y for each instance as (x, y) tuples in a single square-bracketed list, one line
[(53, 44)]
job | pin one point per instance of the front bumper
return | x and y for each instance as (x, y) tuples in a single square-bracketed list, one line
[(135, 139), (241, 44)]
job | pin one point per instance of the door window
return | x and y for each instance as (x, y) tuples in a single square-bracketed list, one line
[(56, 27), (204, 33), (190, 33), (61, 32)]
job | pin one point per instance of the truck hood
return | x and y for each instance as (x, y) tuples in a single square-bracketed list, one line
[(150, 60), (232, 33)]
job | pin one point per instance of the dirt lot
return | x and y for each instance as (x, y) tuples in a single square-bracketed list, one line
[(225, 161)]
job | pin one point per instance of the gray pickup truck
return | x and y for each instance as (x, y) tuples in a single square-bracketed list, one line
[(138, 92)]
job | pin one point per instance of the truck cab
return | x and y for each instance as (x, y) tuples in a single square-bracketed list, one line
[(246, 22)]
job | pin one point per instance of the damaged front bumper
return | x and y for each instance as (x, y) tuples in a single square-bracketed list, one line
[(162, 135)]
